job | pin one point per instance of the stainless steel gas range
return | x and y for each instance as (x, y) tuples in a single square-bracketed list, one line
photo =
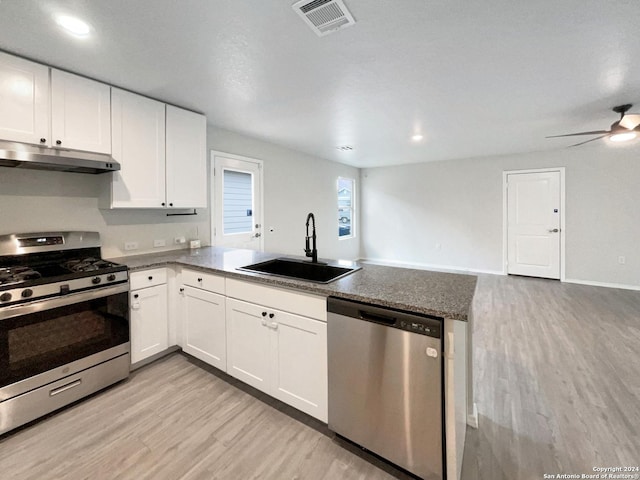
[(64, 323)]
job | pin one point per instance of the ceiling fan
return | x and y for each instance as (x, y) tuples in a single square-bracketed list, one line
[(625, 129)]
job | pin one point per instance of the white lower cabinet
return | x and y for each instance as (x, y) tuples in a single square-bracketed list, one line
[(248, 344), (282, 354), (149, 322), (203, 326), (299, 363)]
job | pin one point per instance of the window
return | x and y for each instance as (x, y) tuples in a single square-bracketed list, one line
[(346, 208), (236, 210), (238, 202)]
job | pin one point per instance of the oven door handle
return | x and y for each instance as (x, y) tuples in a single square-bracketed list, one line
[(55, 302)]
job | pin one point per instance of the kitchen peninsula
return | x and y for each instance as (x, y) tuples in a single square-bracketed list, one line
[(205, 295)]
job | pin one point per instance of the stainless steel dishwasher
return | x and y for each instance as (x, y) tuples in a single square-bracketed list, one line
[(385, 384)]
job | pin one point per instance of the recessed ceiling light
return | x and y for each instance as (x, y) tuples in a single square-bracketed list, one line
[(345, 148), (417, 137), (73, 25), (623, 137)]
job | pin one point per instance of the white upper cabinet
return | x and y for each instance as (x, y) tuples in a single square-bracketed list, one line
[(186, 159), (24, 100), (162, 153), (161, 148), (138, 133), (80, 113)]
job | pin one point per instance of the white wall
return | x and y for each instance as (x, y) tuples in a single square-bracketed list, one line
[(408, 211), (294, 185), (35, 200)]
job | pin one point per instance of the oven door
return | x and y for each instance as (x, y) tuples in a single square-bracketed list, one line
[(45, 340)]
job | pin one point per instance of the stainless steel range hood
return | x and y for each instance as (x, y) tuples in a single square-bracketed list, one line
[(21, 155)]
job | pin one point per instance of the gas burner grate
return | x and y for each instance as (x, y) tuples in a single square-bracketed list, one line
[(88, 264), (17, 274)]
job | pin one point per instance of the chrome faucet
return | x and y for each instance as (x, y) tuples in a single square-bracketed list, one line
[(311, 252)]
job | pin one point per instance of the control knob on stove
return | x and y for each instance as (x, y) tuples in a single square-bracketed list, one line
[(111, 277), (5, 297), (96, 280), (27, 292)]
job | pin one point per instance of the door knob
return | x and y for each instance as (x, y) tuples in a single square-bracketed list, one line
[(555, 230)]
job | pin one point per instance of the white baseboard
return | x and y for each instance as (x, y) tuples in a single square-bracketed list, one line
[(472, 418), (603, 284), (427, 266)]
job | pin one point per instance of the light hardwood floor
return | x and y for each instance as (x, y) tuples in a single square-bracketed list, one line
[(557, 386), (180, 419), (557, 379)]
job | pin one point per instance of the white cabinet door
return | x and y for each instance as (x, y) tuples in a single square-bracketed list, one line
[(282, 354), (186, 159), (24, 100), (248, 349), (80, 113), (203, 326), (149, 322), (299, 361), (138, 136)]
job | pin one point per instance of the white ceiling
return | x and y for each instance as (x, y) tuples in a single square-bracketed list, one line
[(475, 78)]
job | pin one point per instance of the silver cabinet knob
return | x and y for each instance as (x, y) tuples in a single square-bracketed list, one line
[(555, 230)]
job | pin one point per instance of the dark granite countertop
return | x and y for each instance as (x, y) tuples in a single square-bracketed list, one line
[(433, 293)]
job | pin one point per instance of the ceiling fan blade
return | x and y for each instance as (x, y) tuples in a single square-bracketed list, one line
[(630, 121), (595, 132), (592, 140)]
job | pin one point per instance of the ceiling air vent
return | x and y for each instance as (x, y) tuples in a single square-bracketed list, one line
[(324, 16)]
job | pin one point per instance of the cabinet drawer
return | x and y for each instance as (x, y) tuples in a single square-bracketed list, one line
[(206, 281), (300, 303), (148, 278)]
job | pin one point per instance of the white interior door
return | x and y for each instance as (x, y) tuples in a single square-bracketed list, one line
[(237, 198), (533, 225)]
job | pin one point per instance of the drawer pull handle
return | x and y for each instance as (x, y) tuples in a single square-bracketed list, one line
[(199, 279), (64, 388), (271, 315), (264, 314), (150, 277)]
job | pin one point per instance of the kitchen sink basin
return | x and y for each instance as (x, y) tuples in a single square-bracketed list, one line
[(300, 270)]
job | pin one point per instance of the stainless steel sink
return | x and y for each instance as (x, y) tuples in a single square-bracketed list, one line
[(300, 270)]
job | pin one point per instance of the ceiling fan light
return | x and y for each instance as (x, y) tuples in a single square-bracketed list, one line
[(623, 137)]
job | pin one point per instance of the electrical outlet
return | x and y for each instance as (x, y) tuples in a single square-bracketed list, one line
[(622, 260), (159, 243), (180, 240), (131, 245)]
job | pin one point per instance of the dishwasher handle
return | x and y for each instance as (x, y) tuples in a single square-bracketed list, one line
[(376, 317)]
